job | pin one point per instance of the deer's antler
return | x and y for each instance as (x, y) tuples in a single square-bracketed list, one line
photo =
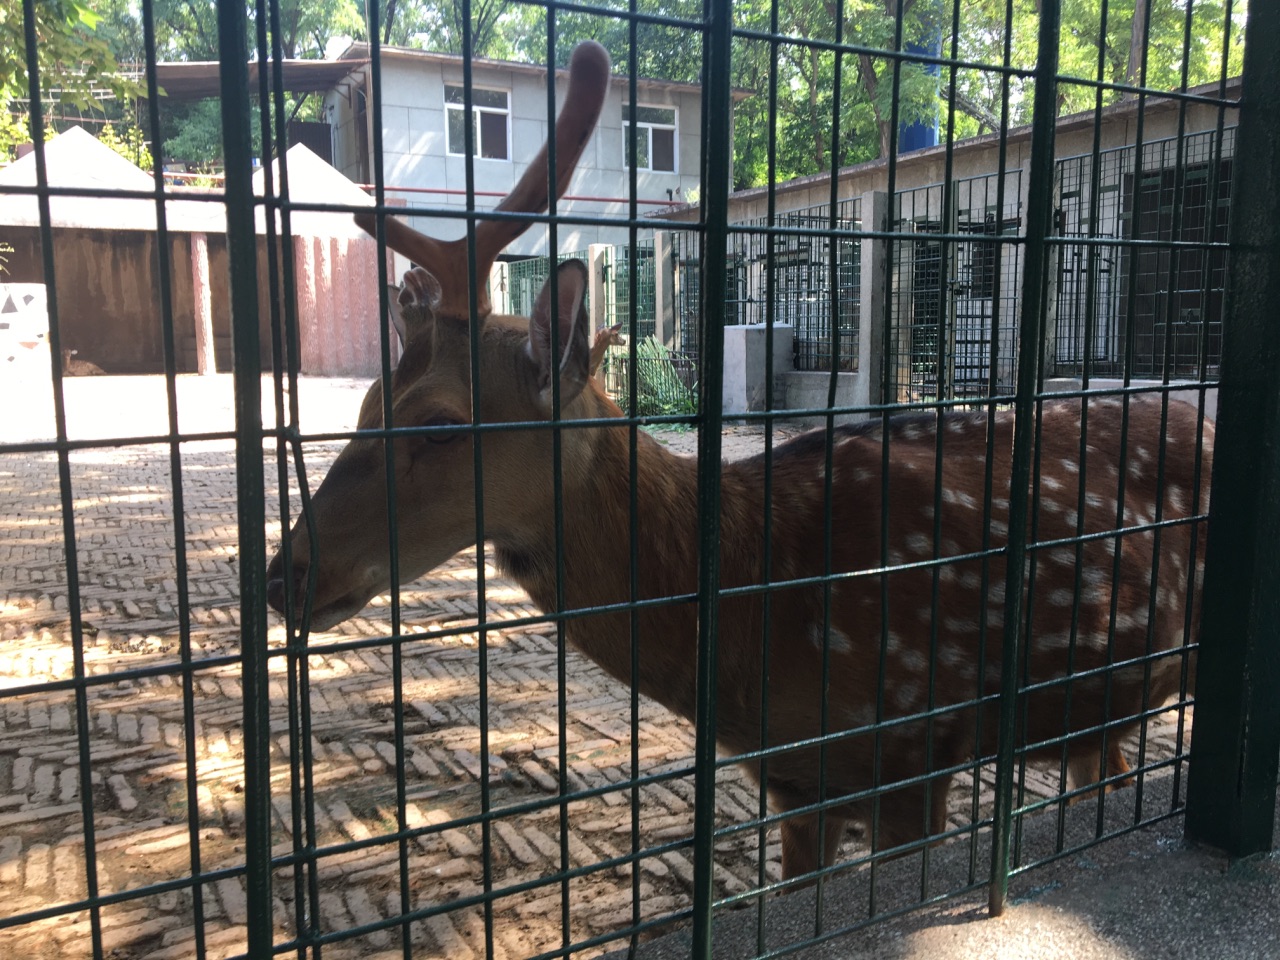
[(588, 83)]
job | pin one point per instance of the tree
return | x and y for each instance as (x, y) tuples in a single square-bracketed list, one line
[(75, 65)]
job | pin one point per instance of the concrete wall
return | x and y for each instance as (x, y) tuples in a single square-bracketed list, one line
[(413, 116), (109, 309)]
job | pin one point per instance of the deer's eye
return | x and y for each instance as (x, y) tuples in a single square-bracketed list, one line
[(442, 436)]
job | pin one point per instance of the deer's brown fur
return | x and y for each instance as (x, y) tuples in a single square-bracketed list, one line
[(936, 654)]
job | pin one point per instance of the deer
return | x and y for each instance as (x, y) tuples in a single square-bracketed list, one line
[(928, 527), (72, 367), (606, 337)]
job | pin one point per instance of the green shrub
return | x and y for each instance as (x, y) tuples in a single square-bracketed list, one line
[(665, 384)]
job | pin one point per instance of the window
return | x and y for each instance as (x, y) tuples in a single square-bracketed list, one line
[(491, 118), (655, 138)]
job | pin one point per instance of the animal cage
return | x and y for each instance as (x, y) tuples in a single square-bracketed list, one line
[(472, 664)]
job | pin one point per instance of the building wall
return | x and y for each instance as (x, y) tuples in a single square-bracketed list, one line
[(414, 154), (109, 308), (971, 159)]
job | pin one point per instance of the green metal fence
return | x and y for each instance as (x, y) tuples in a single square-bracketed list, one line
[(486, 789)]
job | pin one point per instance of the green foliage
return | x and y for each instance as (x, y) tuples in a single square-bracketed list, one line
[(74, 63), (1093, 49), (661, 390), (83, 42), (130, 144)]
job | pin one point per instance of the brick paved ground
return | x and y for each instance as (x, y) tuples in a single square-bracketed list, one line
[(151, 759)]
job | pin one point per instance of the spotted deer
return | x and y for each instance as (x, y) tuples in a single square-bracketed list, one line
[(606, 337), (941, 658)]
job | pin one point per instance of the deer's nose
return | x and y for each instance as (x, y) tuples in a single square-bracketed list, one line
[(280, 585)]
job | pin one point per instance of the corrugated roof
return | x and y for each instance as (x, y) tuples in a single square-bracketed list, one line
[(200, 80)]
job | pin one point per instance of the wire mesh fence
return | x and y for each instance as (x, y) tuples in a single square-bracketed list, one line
[(1104, 198), (519, 679)]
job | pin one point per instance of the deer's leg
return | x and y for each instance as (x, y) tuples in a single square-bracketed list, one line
[(902, 813), (1082, 768), (801, 843), (1117, 764)]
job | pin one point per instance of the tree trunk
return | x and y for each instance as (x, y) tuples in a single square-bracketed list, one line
[(1137, 41), (871, 83)]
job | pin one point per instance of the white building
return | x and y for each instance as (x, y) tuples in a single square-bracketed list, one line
[(424, 162)]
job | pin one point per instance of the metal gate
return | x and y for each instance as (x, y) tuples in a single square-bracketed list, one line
[(1104, 286), (185, 774), (953, 302)]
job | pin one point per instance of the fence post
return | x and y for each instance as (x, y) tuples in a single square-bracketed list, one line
[(1235, 742), (242, 256), (1030, 330), (201, 297), (598, 257), (1056, 253), (664, 313), (499, 288), (871, 306)]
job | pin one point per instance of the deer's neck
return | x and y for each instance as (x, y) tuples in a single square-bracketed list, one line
[(598, 557)]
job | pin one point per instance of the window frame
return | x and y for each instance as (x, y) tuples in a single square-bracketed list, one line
[(646, 127), (476, 111)]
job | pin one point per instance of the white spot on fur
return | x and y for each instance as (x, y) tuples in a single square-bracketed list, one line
[(1051, 483), (1096, 576), (959, 497), (1060, 597), (962, 625), (861, 475), (838, 639), (919, 543), (913, 661), (906, 695), (1060, 640), (1127, 622), (1070, 466), (861, 715), (1062, 558)]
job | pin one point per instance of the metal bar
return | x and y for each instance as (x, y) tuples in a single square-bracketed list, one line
[(1039, 223), (250, 491), (83, 721), (1236, 737), (716, 144), (175, 478), (766, 557)]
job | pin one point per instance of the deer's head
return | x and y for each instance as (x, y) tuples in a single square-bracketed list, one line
[(432, 388)]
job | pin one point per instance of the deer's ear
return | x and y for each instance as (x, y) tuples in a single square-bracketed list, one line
[(569, 313), (413, 304)]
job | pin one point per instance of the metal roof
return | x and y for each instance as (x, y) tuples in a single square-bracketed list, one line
[(199, 80)]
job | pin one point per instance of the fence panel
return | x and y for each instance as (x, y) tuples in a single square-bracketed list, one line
[(536, 722)]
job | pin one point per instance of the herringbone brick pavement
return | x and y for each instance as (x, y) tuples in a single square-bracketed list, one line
[(165, 750)]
